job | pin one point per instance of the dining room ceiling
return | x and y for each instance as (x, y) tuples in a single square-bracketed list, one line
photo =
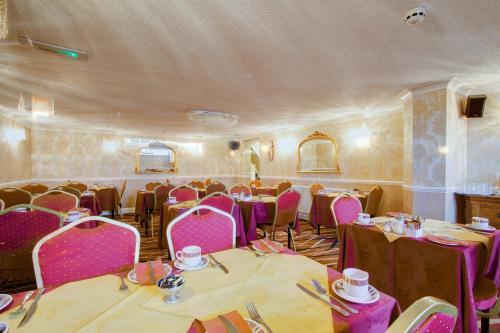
[(278, 64)]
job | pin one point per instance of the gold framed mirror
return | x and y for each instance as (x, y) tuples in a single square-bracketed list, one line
[(318, 153), (156, 158)]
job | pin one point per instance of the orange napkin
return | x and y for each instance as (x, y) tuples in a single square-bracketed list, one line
[(261, 247), (215, 325), (143, 272)]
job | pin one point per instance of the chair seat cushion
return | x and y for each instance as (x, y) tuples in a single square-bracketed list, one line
[(485, 294)]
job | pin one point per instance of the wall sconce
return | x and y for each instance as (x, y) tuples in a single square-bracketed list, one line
[(359, 137)]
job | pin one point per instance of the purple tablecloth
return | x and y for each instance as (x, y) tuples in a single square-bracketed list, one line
[(409, 268), (91, 202)]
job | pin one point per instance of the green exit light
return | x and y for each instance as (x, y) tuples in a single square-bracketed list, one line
[(70, 54)]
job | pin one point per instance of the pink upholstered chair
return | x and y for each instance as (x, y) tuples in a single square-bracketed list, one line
[(78, 185), (21, 227), (69, 189), (218, 200), (345, 208), (57, 200), (72, 254), (428, 314), (161, 193), (283, 186), (35, 188), (12, 196), (287, 204), (184, 193), (238, 188), (197, 184), (213, 232), (486, 301), (151, 185), (215, 187)]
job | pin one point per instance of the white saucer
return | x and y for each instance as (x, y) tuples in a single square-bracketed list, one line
[(5, 304), (203, 263), (364, 224), (372, 296), (133, 278), (488, 229)]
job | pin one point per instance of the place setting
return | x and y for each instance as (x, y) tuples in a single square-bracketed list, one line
[(191, 259), (480, 225)]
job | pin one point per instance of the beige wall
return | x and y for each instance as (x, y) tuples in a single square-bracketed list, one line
[(483, 144), (15, 152)]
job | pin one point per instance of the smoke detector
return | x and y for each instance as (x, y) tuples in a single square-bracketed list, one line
[(415, 15)]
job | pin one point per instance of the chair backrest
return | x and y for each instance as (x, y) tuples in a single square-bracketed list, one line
[(238, 188), (36, 188), (314, 188), (123, 188), (208, 181), (161, 194), (72, 254), (56, 200), (428, 314), (345, 208), (71, 190), (2, 205), (287, 204), (218, 200), (255, 183), (283, 186), (151, 185), (12, 196), (213, 232), (183, 193), (197, 184), (215, 187), (374, 198), (78, 185)]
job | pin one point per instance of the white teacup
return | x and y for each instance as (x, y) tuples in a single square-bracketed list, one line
[(363, 218), (355, 282), (172, 200), (480, 222), (190, 255)]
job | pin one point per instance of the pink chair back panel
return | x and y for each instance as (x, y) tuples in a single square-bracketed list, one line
[(212, 232), (437, 323), (346, 209), (78, 254), (60, 202), (215, 187), (12, 197), (221, 202), (184, 194), (241, 188), (286, 207)]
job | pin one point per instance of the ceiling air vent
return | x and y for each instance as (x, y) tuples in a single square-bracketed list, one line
[(415, 15)]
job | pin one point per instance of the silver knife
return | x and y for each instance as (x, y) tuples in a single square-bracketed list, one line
[(320, 289), (314, 295), (218, 263), (32, 309), (228, 324)]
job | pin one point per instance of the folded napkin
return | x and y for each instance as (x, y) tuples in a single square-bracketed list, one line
[(216, 325), (148, 273), (261, 247)]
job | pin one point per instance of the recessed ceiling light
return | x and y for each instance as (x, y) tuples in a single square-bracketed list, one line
[(213, 119)]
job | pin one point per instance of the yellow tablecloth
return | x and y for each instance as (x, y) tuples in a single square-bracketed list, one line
[(96, 305)]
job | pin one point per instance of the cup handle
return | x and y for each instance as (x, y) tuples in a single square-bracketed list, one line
[(178, 255)]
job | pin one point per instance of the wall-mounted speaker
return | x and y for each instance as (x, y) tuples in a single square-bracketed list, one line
[(234, 145), (475, 106)]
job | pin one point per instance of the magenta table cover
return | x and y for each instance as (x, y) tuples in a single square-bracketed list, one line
[(409, 268)]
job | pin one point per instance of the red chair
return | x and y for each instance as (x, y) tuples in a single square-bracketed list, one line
[(183, 193), (197, 184), (345, 208), (238, 188), (151, 186), (20, 228), (218, 200), (213, 232), (215, 187), (57, 200), (283, 186), (285, 216), (428, 314), (486, 301), (35, 189), (160, 195), (72, 254), (12, 196), (78, 185)]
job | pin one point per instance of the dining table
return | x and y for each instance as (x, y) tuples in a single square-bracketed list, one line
[(418, 267), (269, 282), (260, 210), (108, 197), (266, 190), (170, 211), (91, 202), (320, 207)]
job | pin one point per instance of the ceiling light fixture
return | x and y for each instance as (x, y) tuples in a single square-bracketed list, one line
[(415, 15), (213, 119), (70, 53)]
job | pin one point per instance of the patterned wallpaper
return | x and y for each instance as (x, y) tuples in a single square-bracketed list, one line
[(15, 152)]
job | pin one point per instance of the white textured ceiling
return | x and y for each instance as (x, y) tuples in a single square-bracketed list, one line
[(275, 63)]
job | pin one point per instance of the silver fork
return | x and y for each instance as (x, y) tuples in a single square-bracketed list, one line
[(20, 309), (123, 286), (252, 310), (320, 289)]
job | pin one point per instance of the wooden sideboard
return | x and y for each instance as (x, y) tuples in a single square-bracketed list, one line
[(469, 205)]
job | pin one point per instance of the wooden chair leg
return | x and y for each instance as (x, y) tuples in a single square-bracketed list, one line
[(485, 325), (318, 229), (289, 232)]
